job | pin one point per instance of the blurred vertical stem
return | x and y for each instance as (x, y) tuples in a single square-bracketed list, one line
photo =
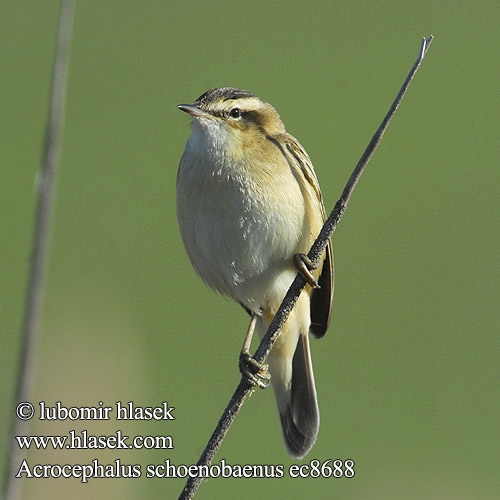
[(46, 186)]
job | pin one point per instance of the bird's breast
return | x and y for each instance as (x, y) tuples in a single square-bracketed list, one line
[(240, 220)]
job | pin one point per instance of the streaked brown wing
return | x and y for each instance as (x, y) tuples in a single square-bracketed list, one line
[(321, 298)]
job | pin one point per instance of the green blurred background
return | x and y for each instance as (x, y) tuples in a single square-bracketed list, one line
[(408, 375)]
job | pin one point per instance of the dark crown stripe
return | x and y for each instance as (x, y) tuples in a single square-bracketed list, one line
[(222, 94)]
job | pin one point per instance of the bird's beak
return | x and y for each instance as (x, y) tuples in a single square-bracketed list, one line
[(194, 110)]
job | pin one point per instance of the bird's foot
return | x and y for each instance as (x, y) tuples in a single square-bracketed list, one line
[(305, 265), (256, 373)]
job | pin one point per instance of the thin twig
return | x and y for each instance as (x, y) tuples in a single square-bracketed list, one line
[(34, 295), (244, 387)]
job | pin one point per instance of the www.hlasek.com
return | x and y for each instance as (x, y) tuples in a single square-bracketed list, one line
[(85, 441), (314, 469)]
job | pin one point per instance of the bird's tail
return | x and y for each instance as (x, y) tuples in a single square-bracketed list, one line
[(292, 378)]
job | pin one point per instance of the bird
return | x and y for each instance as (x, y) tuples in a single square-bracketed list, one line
[(249, 207)]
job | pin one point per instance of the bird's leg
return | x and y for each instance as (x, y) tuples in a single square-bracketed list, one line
[(256, 373), (305, 265)]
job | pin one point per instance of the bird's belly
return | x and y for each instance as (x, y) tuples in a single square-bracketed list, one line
[(242, 242)]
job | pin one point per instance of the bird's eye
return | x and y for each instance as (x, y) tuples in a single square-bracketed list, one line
[(235, 113)]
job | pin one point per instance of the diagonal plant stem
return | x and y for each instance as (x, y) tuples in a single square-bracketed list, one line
[(245, 387), (43, 217)]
